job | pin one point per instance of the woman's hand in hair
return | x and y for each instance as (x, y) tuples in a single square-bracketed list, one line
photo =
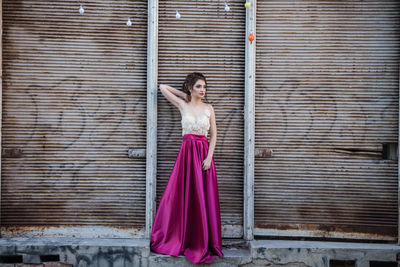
[(173, 95)]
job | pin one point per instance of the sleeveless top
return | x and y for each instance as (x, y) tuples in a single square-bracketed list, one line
[(196, 125)]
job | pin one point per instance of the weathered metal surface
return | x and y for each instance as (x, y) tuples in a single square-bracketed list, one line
[(249, 119), (152, 89), (364, 232), (327, 99), (209, 40), (11, 153), (137, 153), (263, 153), (1, 98), (74, 102), (91, 231), (398, 168)]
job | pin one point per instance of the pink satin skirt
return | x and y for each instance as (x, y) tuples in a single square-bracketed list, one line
[(188, 219)]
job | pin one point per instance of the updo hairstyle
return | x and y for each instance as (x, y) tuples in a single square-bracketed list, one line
[(191, 80)]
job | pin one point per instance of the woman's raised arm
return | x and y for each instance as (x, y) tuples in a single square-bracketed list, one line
[(173, 95)]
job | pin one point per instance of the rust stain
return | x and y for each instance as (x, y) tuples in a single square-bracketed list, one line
[(11, 153), (263, 152), (46, 230), (325, 230)]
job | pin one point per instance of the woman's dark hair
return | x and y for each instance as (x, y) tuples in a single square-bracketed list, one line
[(191, 80)]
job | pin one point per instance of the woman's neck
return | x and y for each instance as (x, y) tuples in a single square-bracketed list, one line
[(195, 101)]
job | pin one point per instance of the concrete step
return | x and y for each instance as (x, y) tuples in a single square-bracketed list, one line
[(232, 257), (99, 252)]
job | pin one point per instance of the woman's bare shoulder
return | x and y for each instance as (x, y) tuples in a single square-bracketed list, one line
[(209, 110)]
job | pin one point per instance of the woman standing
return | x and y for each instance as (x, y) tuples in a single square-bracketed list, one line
[(188, 219)]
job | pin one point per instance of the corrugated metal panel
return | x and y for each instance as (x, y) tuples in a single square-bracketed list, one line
[(74, 102), (210, 40), (326, 101)]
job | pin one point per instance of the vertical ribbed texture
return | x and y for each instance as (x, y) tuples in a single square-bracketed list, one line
[(327, 84), (74, 102), (209, 40)]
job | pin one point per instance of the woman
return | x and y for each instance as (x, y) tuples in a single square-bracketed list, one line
[(188, 218)]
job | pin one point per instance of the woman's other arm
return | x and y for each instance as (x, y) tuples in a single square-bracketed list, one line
[(213, 140), (173, 95)]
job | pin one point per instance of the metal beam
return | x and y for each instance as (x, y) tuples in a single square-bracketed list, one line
[(249, 120), (1, 94), (151, 147), (398, 166)]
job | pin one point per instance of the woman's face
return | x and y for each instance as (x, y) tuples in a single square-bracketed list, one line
[(199, 89)]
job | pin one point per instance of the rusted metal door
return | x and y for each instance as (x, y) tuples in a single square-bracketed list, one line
[(327, 84), (210, 40), (74, 102)]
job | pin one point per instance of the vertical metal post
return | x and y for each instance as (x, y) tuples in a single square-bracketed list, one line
[(249, 128), (1, 95), (398, 167), (151, 142)]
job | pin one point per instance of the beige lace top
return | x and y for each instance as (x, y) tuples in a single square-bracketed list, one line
[(196, 125)]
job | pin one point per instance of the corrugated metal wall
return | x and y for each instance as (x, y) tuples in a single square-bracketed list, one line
[(209, 40), (326, 102), (74, 102)]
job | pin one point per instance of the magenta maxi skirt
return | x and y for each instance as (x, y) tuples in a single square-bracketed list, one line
[(188, 218)]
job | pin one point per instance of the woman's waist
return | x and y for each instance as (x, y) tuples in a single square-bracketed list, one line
[(195, 136)]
